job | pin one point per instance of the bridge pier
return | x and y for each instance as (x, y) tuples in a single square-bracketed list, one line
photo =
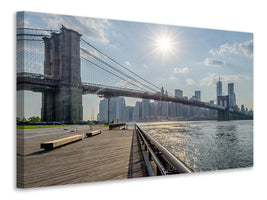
[(223, 115), (62, 61)]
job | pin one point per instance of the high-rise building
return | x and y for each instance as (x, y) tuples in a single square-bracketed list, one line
[(242, 108), (179, 106), (103, 110), (219, 88), (120, 109), (231, 94), (137, 112), (178, 93), (197, 95), (145, 108)]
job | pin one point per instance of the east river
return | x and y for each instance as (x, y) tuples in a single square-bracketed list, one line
[(206, 145)]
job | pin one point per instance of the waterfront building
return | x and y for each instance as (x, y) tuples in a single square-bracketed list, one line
[(103, 110), (145, 109), (178, 93), (186, 109), (120, 109), (231, 94), (137, 112), (242, 108), (164, 108), (219, 88), (179, 106), (128, 113), (197, 95)]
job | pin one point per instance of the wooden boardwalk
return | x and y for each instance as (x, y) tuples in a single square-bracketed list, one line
[(112, 155)]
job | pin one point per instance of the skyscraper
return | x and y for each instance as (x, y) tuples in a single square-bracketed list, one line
[(120, 108), (179, 106), (145, 108), (198, 95), (231, 93), (178, 93), (137, 111), (219, 88), (103, 110)]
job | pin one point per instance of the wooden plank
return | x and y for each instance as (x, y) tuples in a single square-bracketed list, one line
[(57, 143)]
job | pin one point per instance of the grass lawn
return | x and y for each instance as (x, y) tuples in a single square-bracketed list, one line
[(53, 126)]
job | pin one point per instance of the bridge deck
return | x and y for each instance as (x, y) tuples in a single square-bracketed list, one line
[(111, 155)]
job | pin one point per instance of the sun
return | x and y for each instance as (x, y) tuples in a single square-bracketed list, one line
[(164, 44)]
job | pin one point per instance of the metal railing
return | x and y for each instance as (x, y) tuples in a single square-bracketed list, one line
[(158, 159)]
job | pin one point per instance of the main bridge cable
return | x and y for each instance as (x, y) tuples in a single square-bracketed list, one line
[(112, 73), (95, 57), (34, 35), (119, 64)]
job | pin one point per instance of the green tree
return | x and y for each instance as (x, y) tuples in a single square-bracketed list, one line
[(34, 119), (18, 120), (24, 120)]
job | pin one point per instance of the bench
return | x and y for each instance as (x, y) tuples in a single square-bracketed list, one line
[(117, 126), (60, 142), (93, 133)]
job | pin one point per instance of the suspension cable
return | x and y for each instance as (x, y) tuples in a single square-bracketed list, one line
[(113, 73), (119, 64), (95, 57)]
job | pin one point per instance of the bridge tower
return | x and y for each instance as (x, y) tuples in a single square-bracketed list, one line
[(62, 62), (223, 115)]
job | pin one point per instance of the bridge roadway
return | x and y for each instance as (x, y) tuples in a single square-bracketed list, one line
[(38, 83)]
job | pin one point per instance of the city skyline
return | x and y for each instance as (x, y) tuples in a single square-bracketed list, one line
[(152, 110), (189, 59)]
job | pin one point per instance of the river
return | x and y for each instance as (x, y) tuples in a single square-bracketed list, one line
[(206, 145)]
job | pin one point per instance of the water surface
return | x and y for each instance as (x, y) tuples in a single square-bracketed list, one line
[(206, 145)]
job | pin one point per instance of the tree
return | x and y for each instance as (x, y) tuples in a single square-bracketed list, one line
[(34, 119), (18, 120)]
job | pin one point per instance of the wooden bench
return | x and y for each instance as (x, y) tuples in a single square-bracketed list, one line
[(93, 133), (57, 143), (119, 126)]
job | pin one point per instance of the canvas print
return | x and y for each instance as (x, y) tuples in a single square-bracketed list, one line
[(101, 99)]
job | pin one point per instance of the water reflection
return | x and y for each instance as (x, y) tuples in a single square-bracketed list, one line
[(208, 145)]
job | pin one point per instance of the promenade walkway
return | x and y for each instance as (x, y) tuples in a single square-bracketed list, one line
[(112, 155)]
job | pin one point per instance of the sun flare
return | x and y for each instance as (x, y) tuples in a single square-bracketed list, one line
[(164, 44)]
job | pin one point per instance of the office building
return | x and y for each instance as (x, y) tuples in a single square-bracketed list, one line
[(219, 88), (231, 94)]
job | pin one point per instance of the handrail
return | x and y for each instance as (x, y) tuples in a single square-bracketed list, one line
[(175, 162)]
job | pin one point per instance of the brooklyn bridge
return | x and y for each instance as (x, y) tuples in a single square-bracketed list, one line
[(66, 55)]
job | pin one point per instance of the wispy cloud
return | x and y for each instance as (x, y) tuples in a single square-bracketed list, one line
[(190, 81), (214, 62), (93, 29), (245, 48), (183, 70)]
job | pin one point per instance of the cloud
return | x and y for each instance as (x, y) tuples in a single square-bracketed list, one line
[(171, 77), (127, 63), (245, 48), (190, 81), (184, 70), (91, 29), (213, 78), (214, 62)]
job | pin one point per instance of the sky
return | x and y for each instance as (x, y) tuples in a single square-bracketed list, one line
[(174, 57)]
